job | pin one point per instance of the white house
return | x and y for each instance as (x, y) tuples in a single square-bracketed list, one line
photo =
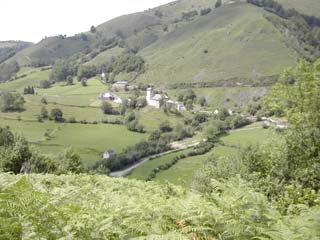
[(154, 100), (215, 112), (103, 75), (110, 97), (108, 154)]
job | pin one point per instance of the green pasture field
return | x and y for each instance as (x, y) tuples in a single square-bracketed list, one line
[(183, 172), (151, 118), (144, 171), (89, 140)]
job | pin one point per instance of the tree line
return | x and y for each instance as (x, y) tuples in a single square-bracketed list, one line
[(17, 156)]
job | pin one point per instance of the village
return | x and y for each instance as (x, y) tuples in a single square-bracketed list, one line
[(158, 99), (153, 99)]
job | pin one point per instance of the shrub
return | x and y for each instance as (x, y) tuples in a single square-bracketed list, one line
[(43, 101), (72, 120), (218, 4), (165, 127), (10, 101), (44, 113), (56, 114), (205, 11), (107, 108), (45, 84)]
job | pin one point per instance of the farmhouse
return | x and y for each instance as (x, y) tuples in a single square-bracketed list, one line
[(121, 85), (110, 97), (108, 154)]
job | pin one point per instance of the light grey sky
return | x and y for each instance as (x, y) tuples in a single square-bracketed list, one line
[(32, 20)]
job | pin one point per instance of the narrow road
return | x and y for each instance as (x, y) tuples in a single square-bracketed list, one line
[(126, 171)]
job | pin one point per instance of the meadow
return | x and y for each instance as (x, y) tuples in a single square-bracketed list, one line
[(230, 146), (89, 140), (142, 173)]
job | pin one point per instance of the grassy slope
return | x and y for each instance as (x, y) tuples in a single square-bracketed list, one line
[(50, 49), (10, 48), (224, 96), (33, 78), (105, 56), (182, 173), (239, 40), (309, 7)]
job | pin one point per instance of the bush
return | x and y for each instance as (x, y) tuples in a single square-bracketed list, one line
[(44, 113), (29, 90), (56, 114), (134, 126), (45, 84), (218, 4), (201, 117), (43, 101), (72, 120), (165, 127), (10, 101), (107, 108), (69, 80), (205, 11), (84, 82), (189, 15)]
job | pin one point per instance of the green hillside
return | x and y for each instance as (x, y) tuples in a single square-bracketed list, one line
[(98, 207), (9, 48), (227, 46), (49, 49), (235, 41)]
